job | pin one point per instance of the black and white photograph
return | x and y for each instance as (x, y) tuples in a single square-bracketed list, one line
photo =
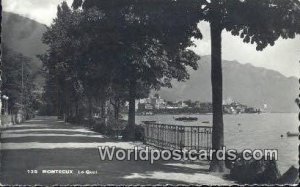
[(149, 92)]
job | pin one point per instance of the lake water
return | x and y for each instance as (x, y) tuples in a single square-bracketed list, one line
[(257, 131)]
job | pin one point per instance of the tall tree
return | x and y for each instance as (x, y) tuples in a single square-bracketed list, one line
[(18, 93), (153, 38), (256, 21), (60, 61)]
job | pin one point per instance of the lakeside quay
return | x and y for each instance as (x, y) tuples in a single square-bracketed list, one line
[(45, 143)]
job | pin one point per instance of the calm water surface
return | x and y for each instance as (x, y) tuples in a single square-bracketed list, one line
[(257, 131)]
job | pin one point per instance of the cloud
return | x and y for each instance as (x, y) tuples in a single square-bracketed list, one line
[(42, 11)]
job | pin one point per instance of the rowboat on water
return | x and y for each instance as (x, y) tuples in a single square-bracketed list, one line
[(186, 119), (148, 122), (292, 134)]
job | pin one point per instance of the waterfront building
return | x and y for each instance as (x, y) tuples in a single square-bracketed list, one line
[(155, 102)]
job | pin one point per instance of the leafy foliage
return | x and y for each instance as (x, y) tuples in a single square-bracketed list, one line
[(12, 81), (259, 22), (96, 52)]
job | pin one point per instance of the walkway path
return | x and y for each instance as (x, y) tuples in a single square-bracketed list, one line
[(47, 144)]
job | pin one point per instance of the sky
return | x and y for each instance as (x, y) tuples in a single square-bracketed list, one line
[(284, 56)]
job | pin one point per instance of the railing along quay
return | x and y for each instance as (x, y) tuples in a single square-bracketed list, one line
[(167, 136)]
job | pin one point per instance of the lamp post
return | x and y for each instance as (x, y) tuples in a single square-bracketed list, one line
[(7, 111), (0, 87), (0, 109), (5, 98), (0, 93)]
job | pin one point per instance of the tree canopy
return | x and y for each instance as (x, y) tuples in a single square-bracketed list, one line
[(113, 48), (256, 21)]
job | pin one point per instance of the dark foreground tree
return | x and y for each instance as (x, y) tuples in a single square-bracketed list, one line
[(152, 38), (66, 71), (256, 21)]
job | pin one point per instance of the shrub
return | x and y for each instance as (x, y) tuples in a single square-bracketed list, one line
[(139, 134)]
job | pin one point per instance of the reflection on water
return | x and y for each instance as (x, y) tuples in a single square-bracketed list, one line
[(251, 131)]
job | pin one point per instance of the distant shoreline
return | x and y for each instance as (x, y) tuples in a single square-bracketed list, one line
[(212, 114)]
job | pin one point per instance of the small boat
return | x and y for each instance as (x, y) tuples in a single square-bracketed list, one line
[(205, 121), (289, 134), (148, 122), (186, 119)]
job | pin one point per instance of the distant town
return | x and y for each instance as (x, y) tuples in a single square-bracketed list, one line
[(156, 105)]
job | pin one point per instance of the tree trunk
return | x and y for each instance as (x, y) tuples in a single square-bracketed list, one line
[(131, 112), (66, 105), (217, 96), (116, 105), (77, 110), (63, 106), (102, 109), (117, 110), (59, 100), (90, 109)]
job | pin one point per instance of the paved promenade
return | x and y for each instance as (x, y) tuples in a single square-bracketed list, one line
[(46, 144)]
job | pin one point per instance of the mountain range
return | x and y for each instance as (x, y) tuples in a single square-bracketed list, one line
[(24, 35), (247, 84)]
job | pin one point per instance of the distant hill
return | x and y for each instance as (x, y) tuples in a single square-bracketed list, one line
[(245, 83), (24, 35)]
